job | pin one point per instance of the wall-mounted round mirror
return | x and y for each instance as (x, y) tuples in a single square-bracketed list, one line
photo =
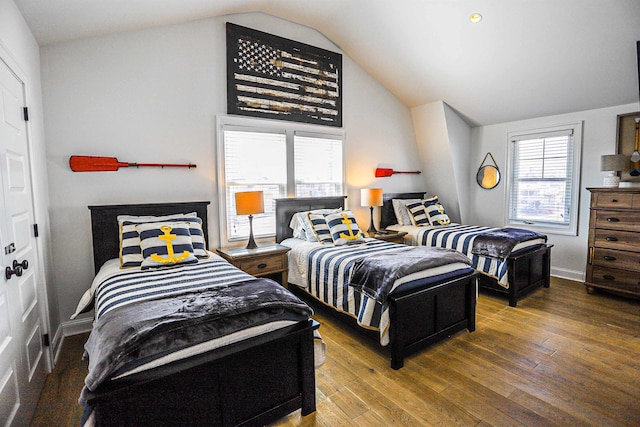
[(488, 176)]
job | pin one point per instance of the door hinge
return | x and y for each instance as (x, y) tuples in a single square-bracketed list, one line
[(45, 339), (25, 114), (35, 230)]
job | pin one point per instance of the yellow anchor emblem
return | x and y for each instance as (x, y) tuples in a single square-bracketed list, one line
[(171, 257), (348, 222), (441, 211)]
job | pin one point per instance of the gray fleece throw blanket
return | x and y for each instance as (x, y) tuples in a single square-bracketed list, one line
[(375, 275), (500, 242), (138, 333)]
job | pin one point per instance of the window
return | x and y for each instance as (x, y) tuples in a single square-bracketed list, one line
[(256, 155), (544, 174)]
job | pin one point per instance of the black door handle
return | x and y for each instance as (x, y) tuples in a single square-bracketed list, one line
[(9, 272)]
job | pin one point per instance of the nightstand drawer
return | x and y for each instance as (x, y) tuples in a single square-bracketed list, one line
[(262, 265)]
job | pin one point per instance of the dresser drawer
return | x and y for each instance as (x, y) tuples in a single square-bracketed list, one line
[(610, 258), (619, 280), (613, 200), (614, 239), (263, 265), (618, 220)]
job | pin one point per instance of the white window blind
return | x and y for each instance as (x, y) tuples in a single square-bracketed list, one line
[(254, 161), (279, 159), (318, 166), (543, 179)]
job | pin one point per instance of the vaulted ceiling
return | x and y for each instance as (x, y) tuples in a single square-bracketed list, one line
[(524, 59)]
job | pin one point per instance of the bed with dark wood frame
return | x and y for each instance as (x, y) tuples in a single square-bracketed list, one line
[(418, 318), (528, 269), (252, 382)]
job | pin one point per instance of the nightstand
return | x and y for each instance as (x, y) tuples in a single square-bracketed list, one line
[(391, 236), (261, 261)]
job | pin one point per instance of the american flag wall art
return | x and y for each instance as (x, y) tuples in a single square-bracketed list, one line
[(273, 77)]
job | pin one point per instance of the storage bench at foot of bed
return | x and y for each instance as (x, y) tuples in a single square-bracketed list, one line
[(528, 270), (252, 382)]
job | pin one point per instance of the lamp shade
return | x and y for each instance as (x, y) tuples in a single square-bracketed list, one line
[(371, 197), (249, 203), (613, 162)]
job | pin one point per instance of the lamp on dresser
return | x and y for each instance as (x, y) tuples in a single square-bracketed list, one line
[(613, 163), (371, 197), (250, 203)]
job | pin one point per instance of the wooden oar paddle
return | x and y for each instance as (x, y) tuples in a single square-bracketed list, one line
[(384, 172), (110, 164)]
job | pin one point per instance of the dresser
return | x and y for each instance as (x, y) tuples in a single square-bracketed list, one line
[(614, 241)]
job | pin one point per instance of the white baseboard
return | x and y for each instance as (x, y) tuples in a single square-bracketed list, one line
[(563, 273)]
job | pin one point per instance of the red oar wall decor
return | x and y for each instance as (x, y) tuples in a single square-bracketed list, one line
[(110, 164), (384, 172)]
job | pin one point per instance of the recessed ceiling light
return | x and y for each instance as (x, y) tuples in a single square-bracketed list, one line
[(475, 18)]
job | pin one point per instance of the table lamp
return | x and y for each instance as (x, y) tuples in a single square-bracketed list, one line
[(613, 163), (371, 197), (249, 203)]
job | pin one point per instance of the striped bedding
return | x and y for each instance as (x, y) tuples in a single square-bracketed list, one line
[(324, 271), (460, 237)]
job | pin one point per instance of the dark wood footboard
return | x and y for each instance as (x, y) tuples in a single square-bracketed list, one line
[(528, 270), (424, 317), (252, 382)]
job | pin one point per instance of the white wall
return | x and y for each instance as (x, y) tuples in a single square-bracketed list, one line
[(443, 140), (20, 50), (153, 96), (487, 207)]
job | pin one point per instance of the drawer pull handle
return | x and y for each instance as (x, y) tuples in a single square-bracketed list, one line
[(609, 277), (613, 219), (614, 200), (263, 265), (609, 258), (611, 239)]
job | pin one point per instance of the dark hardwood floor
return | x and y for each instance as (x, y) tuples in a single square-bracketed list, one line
[(561, 358)]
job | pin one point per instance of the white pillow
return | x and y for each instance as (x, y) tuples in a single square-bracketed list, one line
[(402, 214), (301, 225)]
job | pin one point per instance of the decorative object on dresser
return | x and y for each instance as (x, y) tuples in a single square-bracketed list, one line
[(262, 261), (488, 176), (614, 241), (370, 197), (628, 133), (613, 163), (112, 164), (249, 203)]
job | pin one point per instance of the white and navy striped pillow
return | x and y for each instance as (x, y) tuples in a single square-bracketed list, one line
[(320, 227), (130, 252), (436, 212), (165, 243), (344, 228), (418, 214)]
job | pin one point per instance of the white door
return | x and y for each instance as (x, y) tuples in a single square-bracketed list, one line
[(22, 359)]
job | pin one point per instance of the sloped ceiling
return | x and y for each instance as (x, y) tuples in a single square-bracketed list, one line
[(524, 59)]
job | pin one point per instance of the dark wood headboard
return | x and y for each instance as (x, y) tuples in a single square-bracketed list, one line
[(387, 214), (285, 208), (106, 233)]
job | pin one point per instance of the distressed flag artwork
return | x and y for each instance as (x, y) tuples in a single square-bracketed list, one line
[(273, 77)]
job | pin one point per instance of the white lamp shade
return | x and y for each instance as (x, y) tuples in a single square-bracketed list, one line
[(249, 203), (371, 197)]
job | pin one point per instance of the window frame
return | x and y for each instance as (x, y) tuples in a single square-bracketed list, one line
[(544, 227), (290, 130)]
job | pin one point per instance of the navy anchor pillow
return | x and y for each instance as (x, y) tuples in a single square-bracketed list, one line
[(165, 243), (344, 228)]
